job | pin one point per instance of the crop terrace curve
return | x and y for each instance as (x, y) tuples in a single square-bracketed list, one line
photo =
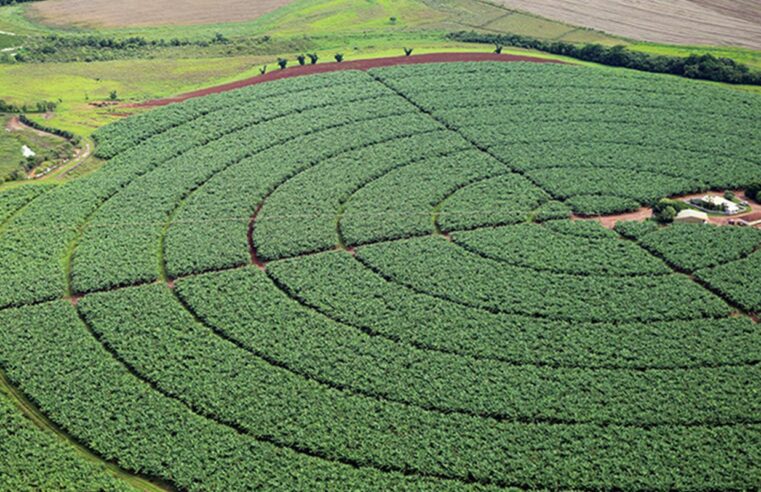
[(425, 308)]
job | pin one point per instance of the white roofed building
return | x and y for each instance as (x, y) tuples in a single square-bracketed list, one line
[(691, 217), (722, 203)]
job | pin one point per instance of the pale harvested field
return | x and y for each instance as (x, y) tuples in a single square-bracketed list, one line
[(108, 13), (707, 22)]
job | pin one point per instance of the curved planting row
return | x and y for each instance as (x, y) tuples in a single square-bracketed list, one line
[(365, 281)]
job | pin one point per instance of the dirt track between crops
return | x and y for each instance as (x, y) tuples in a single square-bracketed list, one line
[(706, 22), (145, 13), (347, 65)]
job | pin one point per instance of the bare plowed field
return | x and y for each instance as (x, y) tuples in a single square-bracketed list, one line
[(710, 22), (104, 13)]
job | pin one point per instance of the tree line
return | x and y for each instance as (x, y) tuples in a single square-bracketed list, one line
[(47, 129), (38, 107), (704, 67)]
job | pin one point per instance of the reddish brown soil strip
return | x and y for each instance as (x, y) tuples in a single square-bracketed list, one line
[(255, 260), (74, 299), (298, 71), (609, 221)]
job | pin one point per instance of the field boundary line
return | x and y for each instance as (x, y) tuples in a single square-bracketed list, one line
[(20, 210), (31, 411), (700, 282)]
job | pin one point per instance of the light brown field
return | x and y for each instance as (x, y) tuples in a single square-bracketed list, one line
[(694, 22), (141, 13)]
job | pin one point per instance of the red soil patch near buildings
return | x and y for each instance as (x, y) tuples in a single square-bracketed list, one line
[(347, 65), (609, 221)]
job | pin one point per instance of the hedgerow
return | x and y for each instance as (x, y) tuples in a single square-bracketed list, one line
[(301, 285), (705, 66)]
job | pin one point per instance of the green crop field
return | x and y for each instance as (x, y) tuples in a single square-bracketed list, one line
[(368, 280)]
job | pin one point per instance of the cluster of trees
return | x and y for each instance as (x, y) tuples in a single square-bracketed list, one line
[(38, 107), (90, 48), (705, 67), (302, 59), (753, 192), (54, 42), (666, 210)]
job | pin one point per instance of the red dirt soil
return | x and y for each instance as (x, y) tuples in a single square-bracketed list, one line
[(609, 221), (299, 70)]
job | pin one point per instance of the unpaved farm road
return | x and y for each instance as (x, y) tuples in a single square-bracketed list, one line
[(703, 22)]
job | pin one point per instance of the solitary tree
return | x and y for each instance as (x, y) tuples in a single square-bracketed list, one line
[(113, 96), (498, 49), (302, 59), (313, 58), (407, 51), (263, 69), (339, 57), (282, 62)]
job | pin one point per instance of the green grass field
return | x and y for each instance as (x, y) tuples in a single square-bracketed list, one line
[(358, 29)]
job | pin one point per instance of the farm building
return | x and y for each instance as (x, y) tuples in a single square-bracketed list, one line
[(691, 217), (721, 203)]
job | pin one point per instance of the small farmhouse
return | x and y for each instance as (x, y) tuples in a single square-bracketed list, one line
[(691, 217), (720, 203)]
